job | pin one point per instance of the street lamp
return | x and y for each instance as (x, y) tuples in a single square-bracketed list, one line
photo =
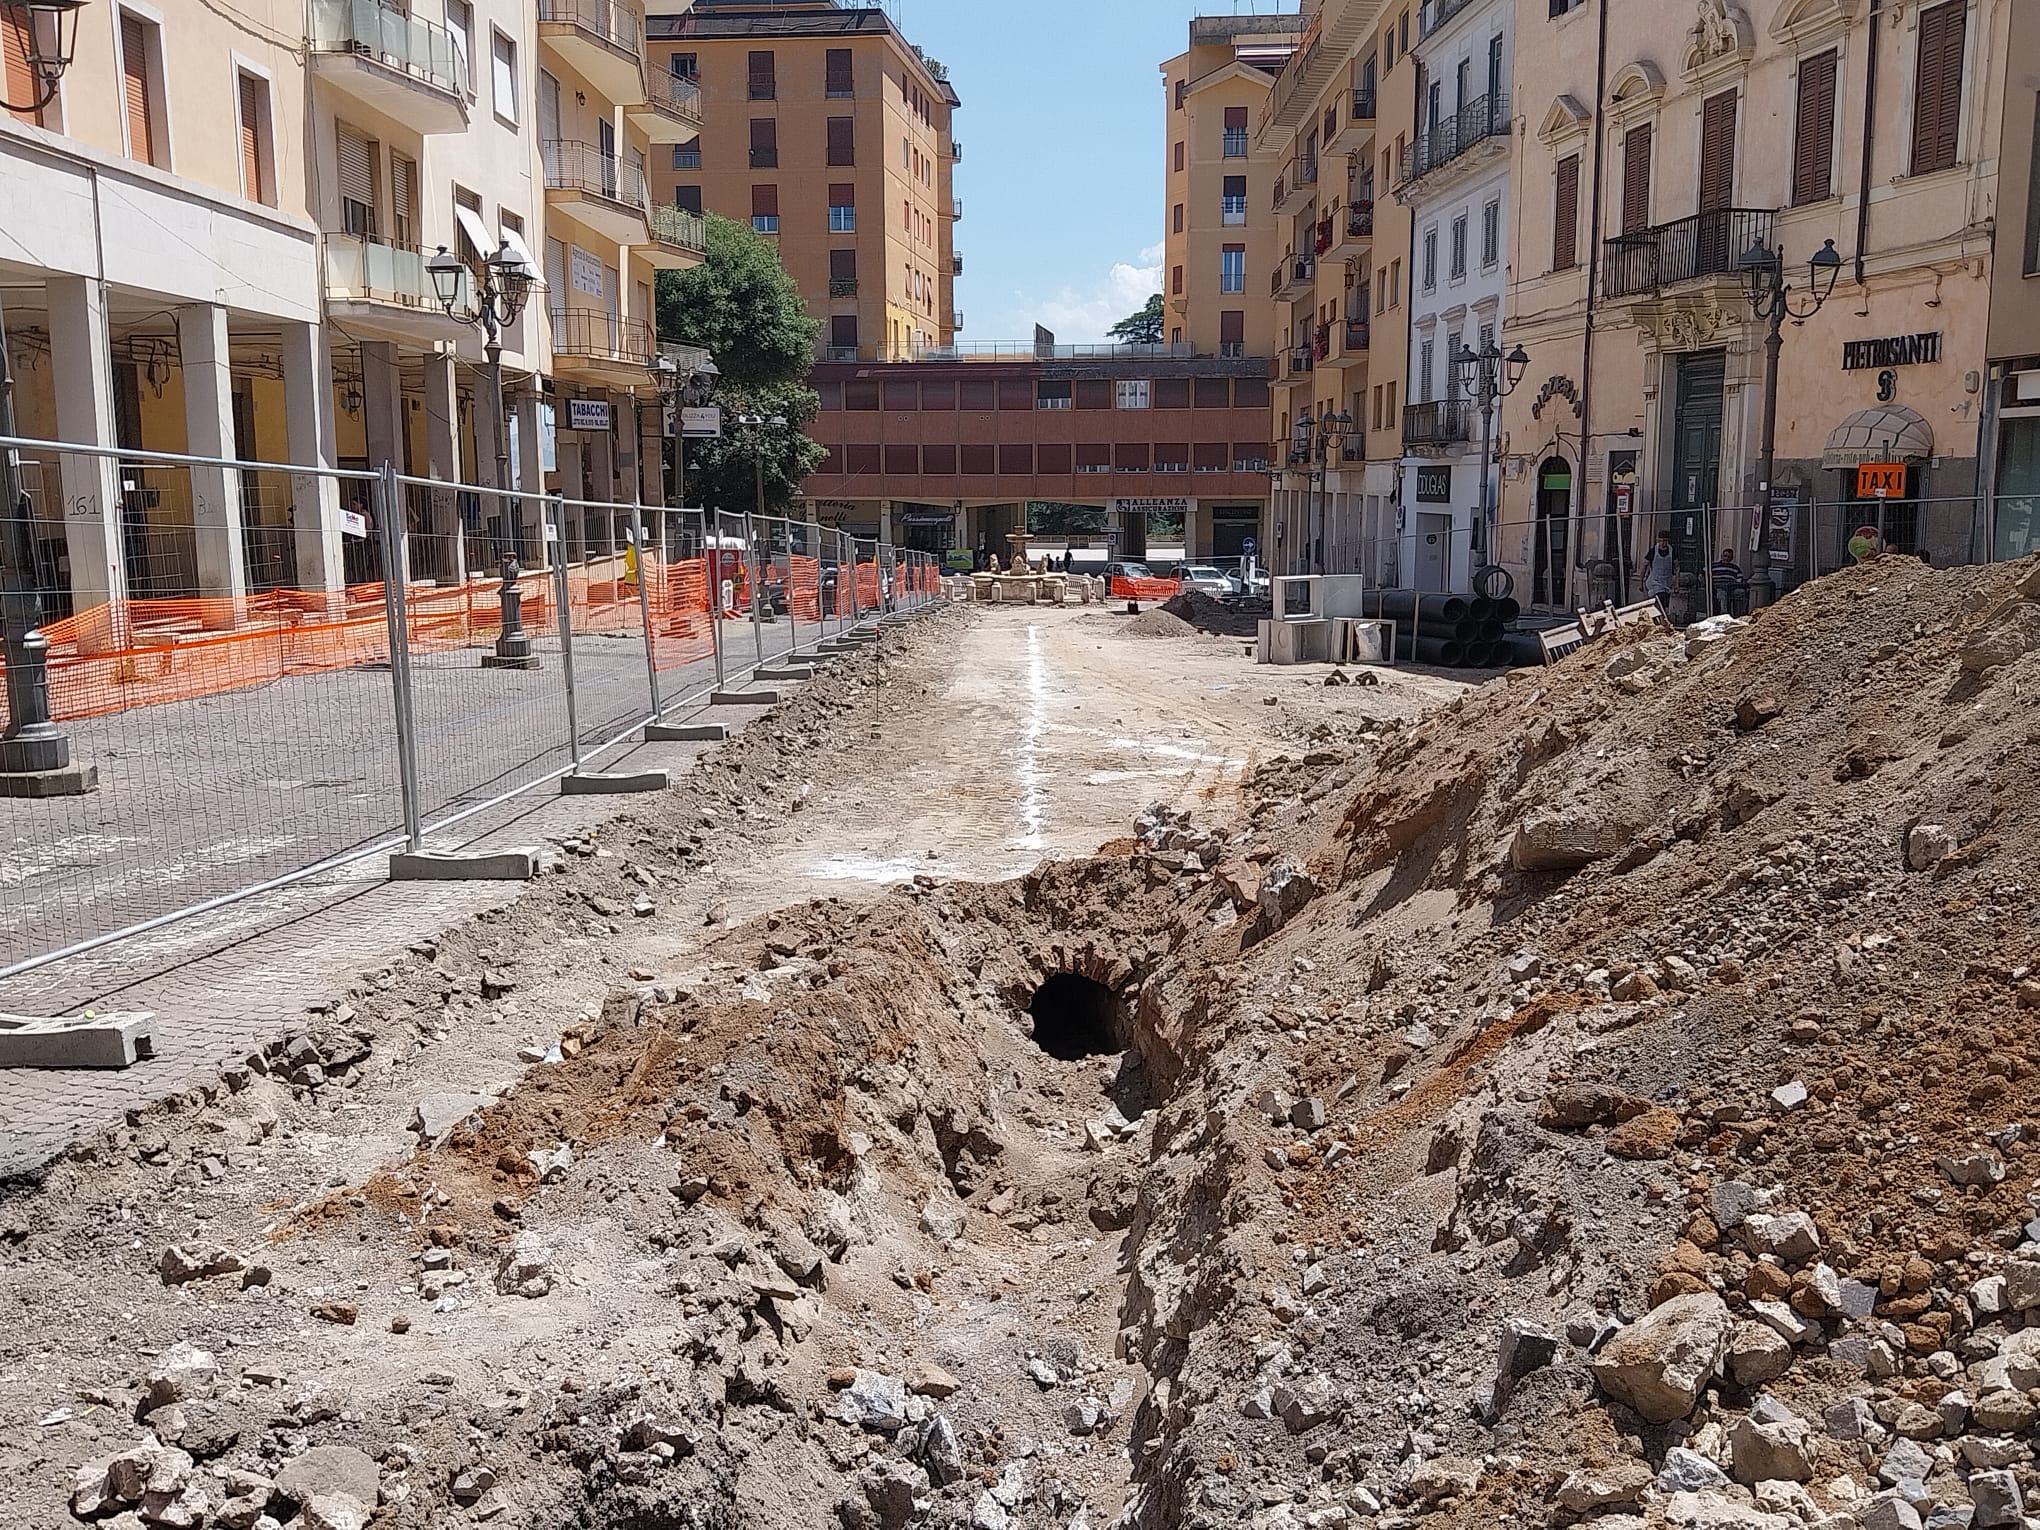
[(1319, 438), (506, 287), (1763, 277), (1489, 377), (35, 756), (46, 31)]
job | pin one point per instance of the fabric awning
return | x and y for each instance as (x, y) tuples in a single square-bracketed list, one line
[(1887, 433)]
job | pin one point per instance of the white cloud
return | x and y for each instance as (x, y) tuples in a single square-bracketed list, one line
[(1080, 315)]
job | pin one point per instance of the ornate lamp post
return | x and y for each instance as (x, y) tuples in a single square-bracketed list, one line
[(1488, 377), (35, 755), (1763, 277), (506, 287), (1322, 437)]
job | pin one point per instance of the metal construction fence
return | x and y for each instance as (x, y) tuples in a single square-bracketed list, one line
[(249, 734)]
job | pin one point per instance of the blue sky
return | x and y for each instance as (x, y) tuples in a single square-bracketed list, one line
[(1062, 132)]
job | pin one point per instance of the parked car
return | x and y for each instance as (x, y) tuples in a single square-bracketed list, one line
[(1126, 571), (1205, 578)]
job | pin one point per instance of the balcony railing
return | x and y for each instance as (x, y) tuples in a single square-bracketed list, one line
[(362, 270), (1706, 244), (955, 150), (582, 167), (956, 265), (956, 208), (1438, 423), (687, 159), (1301, 360), (1356, 334), (1235, 144), (1232, 212), (1323, 238), (1437, 12), (1321, 343), (617, 24), (1474, 123), (765, 159), (1295, 272), (680, 228), (839, 87), (956, 318), (1363, 106), (674, 94), (839, 353), (1360, 220), (590, 334), (842, 286), (423, 50), (1297, 180)]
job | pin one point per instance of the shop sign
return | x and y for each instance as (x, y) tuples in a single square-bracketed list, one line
[(701, 424), (587, 414), (1880, 480), (1434, 485), (1152, 506), (1891, 351), (1780, 526)]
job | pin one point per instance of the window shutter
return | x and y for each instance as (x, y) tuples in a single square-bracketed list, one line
[(1232, 326), (842, 140), (355, 155), (1717, 151), (253, 110), (1565, 215), (1937, 93), (1236, 117), (1235, 186), (763, 75), (1813, 133), (842, 194), (404, 201), (842, 265), (689, 198), (764, 201), (1636, 178), (838, 74), (19, 78), (134, 65), (764, 142)]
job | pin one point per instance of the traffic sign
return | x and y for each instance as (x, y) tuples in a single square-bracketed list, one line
[(1880, 479), (1248, 546)]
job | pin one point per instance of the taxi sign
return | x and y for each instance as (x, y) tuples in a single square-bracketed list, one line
[(1879, 480)]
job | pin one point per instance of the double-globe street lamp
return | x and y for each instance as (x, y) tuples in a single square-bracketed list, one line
[(1310, 448), (1488, 377), (1762, 269), (35, 755)]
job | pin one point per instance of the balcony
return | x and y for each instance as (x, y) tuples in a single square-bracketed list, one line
[(1356, 336), (1296, 185), (1293, 278), (956, 265), (1354, 133), (1438, 423), (1232, 212), (955, 151), (956, 318), (600, 190), (1360, 220), (1700, 248), (1473, 136), (1297, 365), (600, 347), (670, 111), (1321, 240), (842, 286), (1321, 344), (955, 208), (679, 239), (1234, 145), (603, 41), (407, 69), (383, 291)]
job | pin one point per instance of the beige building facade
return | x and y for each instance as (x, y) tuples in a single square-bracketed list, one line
[(2011, 454), (1640, 184), (830, 133)]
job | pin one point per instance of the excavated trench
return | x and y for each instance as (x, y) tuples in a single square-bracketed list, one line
[(1077, 1017)]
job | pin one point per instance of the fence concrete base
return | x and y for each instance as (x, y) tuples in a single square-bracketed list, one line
[(686, 733), (614, 783), (116, 1039), (497, 661), (70, 781), (743, 698), (519, 865), (785, 672)]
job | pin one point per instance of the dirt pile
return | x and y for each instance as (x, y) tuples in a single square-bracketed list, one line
[(1209, 614)]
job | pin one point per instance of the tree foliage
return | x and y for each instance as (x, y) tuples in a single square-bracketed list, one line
[(1143, 328), (745, 310)]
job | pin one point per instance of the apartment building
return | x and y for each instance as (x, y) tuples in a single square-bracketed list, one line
[(829, 132), (1221, 224), (2011, 451), (1644, 180), (1453, 177)]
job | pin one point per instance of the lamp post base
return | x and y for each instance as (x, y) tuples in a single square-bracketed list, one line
[(64, 781)]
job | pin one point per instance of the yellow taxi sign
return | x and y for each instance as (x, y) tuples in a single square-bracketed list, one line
[(1875, 479)]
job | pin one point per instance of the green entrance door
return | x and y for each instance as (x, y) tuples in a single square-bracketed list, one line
[(1696, 457)]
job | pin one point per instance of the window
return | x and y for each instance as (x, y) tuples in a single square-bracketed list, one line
[(355, 155), (1425, 355), (1176, 281), (1233, 202), (1636, 178), (1182, 90), (1235, 132), (842, 140), (1565, 215), (684, 66), (842, 273), (764, 75), (1430, 259), (980, 460), (1395, 283), (687, 156), (1452, 363), (843, 209), (1937, 89), (1232, 332), (1490, 235), (1016, 459), (1232, 268), (258, 166), (1172, 393), (1561, 7), (1052, 395), (2032, 267), (906, 155), (939, 459), (1176, 219), (688, 197), (764, 143), (838, 77), (404, 201), (504, 99), (1179, 156), (139, 41), (765, 209), (1402, 33), (1813, 130), (1459, 247), (1130, 393), (460, 21)]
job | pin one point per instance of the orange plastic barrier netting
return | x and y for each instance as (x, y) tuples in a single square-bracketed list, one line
[(867, 586), (1145, 589), (681, 613), (804, 589)]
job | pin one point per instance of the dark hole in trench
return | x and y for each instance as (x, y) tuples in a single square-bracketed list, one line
[(1076, 1017)]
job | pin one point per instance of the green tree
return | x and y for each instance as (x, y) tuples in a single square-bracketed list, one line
[(1143, 328), (746, 311)]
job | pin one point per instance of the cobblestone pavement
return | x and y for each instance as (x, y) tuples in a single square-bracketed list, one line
[(224, 983), (204, 797)]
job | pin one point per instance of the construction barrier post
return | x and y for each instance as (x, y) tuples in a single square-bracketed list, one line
[(389, 510), (644, 599), (558, 507)]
